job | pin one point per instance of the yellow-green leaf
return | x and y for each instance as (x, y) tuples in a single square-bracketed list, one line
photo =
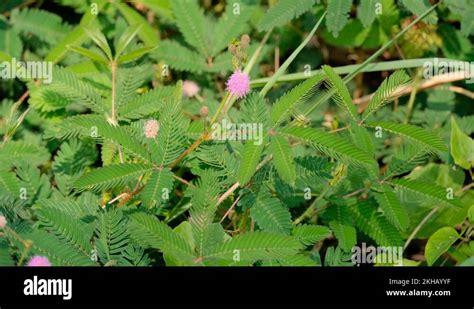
[(439, 243), (462, 147)]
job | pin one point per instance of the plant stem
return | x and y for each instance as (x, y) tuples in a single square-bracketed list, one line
[(414, 91), (372, 67), (352, 74), (225, 104), (113, 66), (313, 205), (290, 59), (419, 226)]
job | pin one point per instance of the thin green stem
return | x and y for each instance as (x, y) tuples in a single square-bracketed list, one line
[(225, 104), (414, 91), (312, 207), (271, 82), (419, 226), (352, 74), (372, 67)]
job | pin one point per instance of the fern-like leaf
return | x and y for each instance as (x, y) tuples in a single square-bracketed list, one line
[(366, 12), (385, 92), (250, 159), (15, 151), (128, 81), (418, 7), (45, 25), (229, 26), (9, 184), (431, 191), (204, 198), (406, 159), (160, 180), (96, 126), (341, 96), (283, 158), (283, 12), (419, 135), (112, 176), (251, 247), (58, 252), (171, 138), (191, 22), (331, 145), (181, 58), (148, 103), (112, 236), (309, 234), (270, 214), (290, 100), (66, 227), (338, 15), (375, 225), (148, 231), (392, 208)]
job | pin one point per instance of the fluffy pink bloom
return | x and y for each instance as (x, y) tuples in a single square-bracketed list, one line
[(38, 261), (3, 222), (238, 84), (190, 88), (151, 128)]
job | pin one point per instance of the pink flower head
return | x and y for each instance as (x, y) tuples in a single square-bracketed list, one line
[(151, 128), (3, 222), (190, 88), (239, 84), (38, 261)]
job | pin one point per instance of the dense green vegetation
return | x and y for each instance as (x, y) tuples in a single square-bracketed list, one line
[(219, 133)]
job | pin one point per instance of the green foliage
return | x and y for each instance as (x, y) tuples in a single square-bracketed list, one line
[(206, 37), (116, 161), (462, 147), (111, 176), (287, 103), (418, 7), (310, 234), (282, 12), (392, 208), (159, 181), (331, 145), (44, 25), (270, 214), (385, 92), (439, 243), (419, 135), (283, 159), (341, 93), (366, 12), (256, 246), (338, 15), (250, 158)]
